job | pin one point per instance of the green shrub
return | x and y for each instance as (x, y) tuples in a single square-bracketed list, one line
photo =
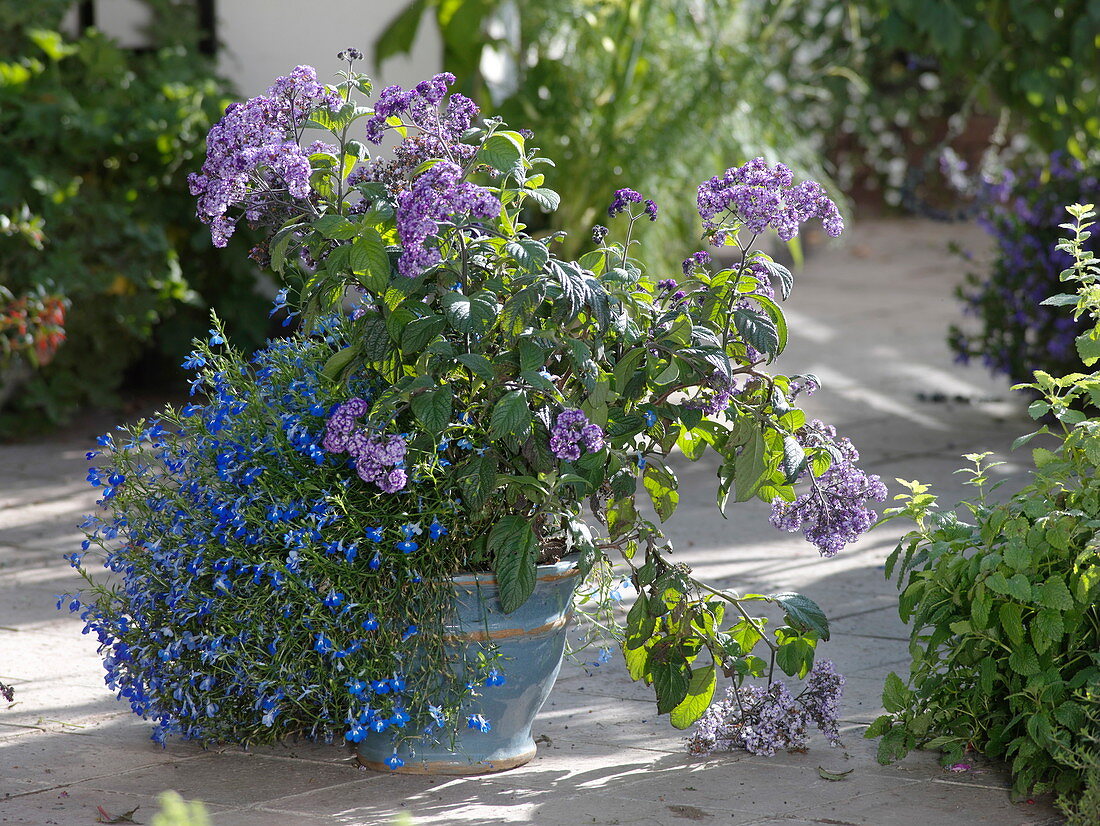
[(1004, 612), (98, 141), (1084, 809)]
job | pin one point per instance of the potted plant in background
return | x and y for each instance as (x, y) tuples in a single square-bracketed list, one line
[(330, 542)]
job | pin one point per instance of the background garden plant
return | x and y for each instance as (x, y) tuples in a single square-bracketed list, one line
[(97, 142), (1015, 331), (483, 403), (1005, 622)]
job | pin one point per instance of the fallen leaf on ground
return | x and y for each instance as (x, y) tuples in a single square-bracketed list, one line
[(825, 774), (125, 817)]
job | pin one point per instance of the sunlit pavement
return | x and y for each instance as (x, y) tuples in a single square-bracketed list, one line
[(869, 318)]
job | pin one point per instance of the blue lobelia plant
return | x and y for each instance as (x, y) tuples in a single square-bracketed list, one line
[(458, 398)]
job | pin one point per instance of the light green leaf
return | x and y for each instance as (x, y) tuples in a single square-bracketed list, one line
[(661, 483), (1054, 593), (895, 694), (369, 261), (749, 467), (335, 226), (700, 693), (502, 152)]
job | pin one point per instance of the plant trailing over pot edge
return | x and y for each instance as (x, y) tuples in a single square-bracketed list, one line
[(458, 399)]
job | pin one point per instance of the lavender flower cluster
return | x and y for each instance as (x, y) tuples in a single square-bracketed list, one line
[(624, 197), (436, 196), (766, 720), (378, 459), (759, 196), (833, 512), (253, 159), (571, 430), (420, 107)]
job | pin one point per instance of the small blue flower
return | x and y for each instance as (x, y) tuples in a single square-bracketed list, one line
[(374, 534), (478, 722), (216, 338), (436, 530), (407, 546), (650, 418), (411, 631), (370, 623), (333, 599), (394, 762), (495, 678)]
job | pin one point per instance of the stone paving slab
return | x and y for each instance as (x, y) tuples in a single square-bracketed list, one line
[(869, 319)]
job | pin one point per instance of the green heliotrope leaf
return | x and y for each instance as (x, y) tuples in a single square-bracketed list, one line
[(469, 314), (368, 260), (338, 362), (661, 484), (478, 364), (514, 548), (795, 656), (757, 330), (749, 467), (477, 480), (510, 416), (336, 227), (699, 694), (503, 151), (530, 254), (671, 680), (433, 409), (375, 339)]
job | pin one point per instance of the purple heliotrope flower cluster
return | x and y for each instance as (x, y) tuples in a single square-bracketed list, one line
[(766, 720), (378, 459), (625, 197), (253, 159), (759, 196), (570, 431), (438, 195), (695, 261), (833, 512), (420, 107)]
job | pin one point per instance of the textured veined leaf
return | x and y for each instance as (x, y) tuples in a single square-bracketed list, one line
[(514, 548), (699, 694)]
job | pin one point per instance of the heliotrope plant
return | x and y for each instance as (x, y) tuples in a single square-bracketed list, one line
[(459, 398)]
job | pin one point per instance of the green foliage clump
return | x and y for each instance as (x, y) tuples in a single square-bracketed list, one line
[(97, 141), (1084, 809), (1037, 60), (1004, 612)]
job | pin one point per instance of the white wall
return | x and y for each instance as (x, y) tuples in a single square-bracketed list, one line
[(262, 39)]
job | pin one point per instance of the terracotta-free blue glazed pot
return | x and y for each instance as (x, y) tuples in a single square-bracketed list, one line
[(531, 641)]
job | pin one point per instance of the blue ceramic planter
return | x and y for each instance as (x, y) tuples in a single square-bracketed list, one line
[(531, 641)]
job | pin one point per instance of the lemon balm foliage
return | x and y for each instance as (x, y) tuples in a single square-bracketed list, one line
[(461, 397), (1004, 608)]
